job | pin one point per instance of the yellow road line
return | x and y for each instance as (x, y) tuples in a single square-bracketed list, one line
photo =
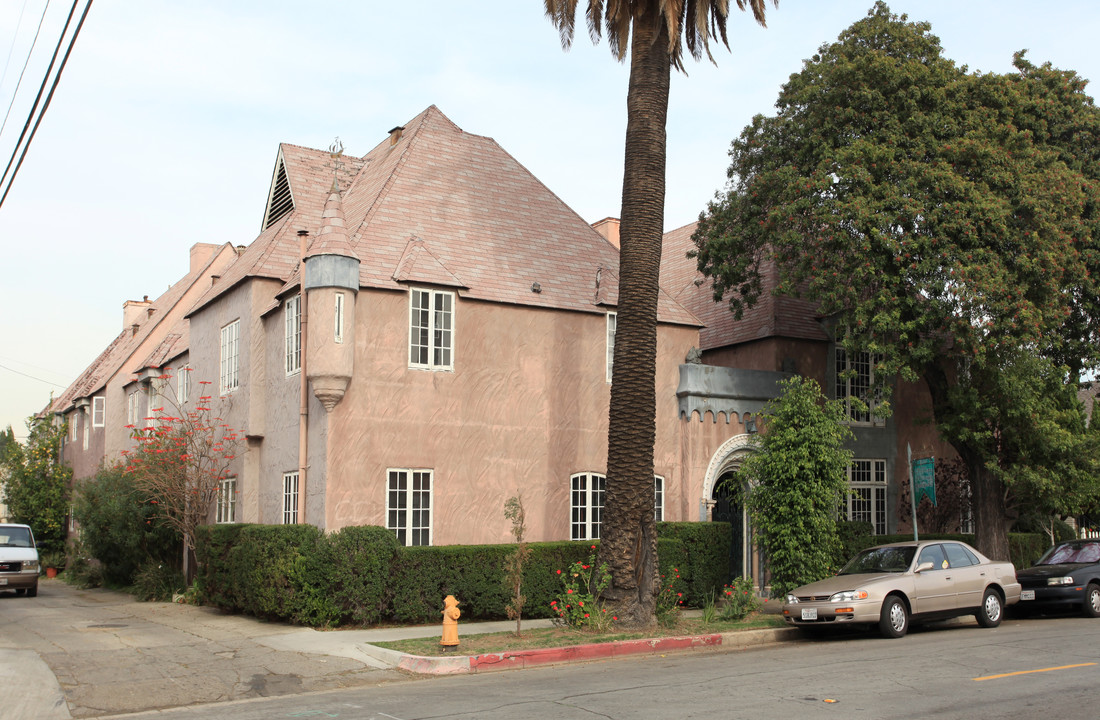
[(1028, 672)]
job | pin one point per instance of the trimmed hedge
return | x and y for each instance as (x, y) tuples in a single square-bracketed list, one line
[(704, 568)]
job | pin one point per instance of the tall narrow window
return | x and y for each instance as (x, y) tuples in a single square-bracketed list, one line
[(132, 408), (431, 329), (293, 314), (855, 379), (152, 405), (227, 501), (183, 384), (338, 318), (98, 411), (612, 319), (658, 498), (290, 498), (230, 357), (586, 505), (74, 418), (409, 505), (87, 427), (867, 501)]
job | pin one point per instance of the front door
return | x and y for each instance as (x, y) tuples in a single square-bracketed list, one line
[(728, 507)]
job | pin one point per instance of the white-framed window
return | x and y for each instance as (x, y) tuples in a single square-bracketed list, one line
[(290, 498), (99, 411), (867, 500), (431, 329), (586, 505), (338, 319), (293, 314), (612, 319), (87, 426), (230, 357), (409, 505), (227, 500), (132, 408), (74, 422), (855, 378), (152, 404), (183, 384), (658, 498)]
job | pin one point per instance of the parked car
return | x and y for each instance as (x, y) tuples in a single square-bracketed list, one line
[(18, 559), (1066, 577), (892, 585)]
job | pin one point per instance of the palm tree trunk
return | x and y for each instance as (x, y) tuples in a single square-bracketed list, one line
[(629, 532)]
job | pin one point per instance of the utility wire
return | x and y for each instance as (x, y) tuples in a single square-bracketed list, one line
[(32, 377), (53, 87), (26, 62)]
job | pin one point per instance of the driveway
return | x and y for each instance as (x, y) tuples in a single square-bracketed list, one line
[(85, 653)]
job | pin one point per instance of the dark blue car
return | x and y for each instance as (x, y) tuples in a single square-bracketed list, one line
[(1066, 578)]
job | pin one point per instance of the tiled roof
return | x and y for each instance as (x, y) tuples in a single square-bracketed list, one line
[(484, 223), (772, 316)]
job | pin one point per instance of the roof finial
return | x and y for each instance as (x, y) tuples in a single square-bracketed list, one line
[(335, 150)]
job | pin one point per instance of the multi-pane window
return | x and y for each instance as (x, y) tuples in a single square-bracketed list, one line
[(658, 498), (338, 319), (612, 319), (98, 405), (409, 505), (431, 329), (152, 404), (855, 378), (74, 421), (132, 408), (290, 498), (230, 357), (183, 384), (227, 501), (293, 315), (87, 427), (586, 505), (867, 500)]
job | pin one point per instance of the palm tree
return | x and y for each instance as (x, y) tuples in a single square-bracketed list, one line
[(656, 31)]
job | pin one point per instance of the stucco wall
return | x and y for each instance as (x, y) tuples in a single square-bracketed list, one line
[(524, 408)]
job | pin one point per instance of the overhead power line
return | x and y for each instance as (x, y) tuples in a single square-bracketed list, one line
[(32, 377), (19, 83), (49, 97)]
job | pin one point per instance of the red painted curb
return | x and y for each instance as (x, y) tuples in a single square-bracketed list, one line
[(490, 662)]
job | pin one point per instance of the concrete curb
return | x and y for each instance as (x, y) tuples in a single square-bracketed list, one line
[(515, 660)]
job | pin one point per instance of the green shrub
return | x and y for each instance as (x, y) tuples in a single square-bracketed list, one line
[(157, 581), (358, 563), (705, 558), (282, 574)]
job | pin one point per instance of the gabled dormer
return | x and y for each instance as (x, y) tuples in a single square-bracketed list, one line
[(280, 198)]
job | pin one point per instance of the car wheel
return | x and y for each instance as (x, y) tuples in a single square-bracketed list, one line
[(1092, 600), (990, 613), (32, 591), (894, 619)]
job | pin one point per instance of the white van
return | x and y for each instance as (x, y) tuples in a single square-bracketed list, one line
[(18, 559)]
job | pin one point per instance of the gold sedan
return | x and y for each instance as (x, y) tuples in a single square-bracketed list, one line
[(893, 585)]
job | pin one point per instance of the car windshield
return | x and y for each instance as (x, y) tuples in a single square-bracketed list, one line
[(15, 537), (880, 559), (1072, 553)]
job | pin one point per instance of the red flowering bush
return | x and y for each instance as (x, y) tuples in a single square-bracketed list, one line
[(740, 599), (670, 598), (579, 604)]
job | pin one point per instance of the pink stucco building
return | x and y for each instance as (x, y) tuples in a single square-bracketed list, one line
[(422, 332)]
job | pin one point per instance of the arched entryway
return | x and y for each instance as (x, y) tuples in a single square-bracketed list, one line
[(725, 500)]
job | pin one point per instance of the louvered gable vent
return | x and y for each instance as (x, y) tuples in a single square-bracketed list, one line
[(280, 201)]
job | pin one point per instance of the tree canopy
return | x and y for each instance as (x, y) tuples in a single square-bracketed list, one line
[(946, 221), (36, 489)]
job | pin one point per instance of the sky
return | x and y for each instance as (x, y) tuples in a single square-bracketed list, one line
[(164, 129)]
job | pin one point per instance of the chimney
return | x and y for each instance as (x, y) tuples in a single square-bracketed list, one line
[(395, 134), (201, 254), (609, 228), (133, 311)]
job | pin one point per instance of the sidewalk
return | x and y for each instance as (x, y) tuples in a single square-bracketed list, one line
[(85, 653)]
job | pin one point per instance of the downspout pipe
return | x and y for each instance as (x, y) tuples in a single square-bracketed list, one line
[(303, 400)]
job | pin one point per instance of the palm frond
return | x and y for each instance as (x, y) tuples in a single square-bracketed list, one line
[(595, 18), (563, 14)]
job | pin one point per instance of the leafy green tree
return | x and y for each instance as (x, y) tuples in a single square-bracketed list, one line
[(119, 527), (797, 483), (36, 490), (946, 221), (655, 32)]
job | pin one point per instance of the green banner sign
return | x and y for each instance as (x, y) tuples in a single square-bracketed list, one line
[(924, 479)]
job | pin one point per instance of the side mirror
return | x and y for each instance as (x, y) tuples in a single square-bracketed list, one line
[(924, 566)]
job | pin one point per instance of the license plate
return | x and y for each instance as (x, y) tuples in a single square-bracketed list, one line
[(1027, 594), (809, 613), (3, 581)]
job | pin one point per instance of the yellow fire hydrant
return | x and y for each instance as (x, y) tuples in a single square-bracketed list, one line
[(451, 614)]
